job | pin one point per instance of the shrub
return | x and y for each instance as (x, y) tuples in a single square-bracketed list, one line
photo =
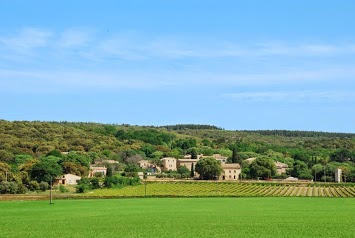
[(8, 187), (63, 189), (81, 188), (21, 189), (162, 175), (98, 175), (43, 186), (131, 174), (94, 182), (280, 176), (119, 182), (33, 185), (83, 185), (327, 179)]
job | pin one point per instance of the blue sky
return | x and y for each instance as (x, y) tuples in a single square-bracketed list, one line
[(235, 64)]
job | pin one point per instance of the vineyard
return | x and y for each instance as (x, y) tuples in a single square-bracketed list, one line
[(227, 189)]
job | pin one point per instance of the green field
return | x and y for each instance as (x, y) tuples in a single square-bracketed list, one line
[(180, 217)]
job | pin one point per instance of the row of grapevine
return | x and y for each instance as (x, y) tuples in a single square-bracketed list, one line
[(216, 189)]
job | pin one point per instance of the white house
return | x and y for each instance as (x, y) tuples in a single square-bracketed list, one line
[(67, 179)]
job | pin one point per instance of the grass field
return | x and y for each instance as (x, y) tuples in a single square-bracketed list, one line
[(180, 217)]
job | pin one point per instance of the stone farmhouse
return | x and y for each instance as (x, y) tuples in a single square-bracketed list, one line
[(189, 156), (95, 170), (187, 163), (220, 158), (145, 164), (67, 179), (230, 171), (281, 167), (169, 163)]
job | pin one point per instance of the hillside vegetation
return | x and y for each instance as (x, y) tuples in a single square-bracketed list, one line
[(24, 145)]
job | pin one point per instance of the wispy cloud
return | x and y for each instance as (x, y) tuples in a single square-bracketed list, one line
[(26, 40), (135, 46), (84, 58), (71, 81), (75, 38), (64, 80), (307, 96)]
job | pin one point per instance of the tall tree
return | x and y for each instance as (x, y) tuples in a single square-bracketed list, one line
[(192, 171), (193, 154), (262, 167), (45, 171), (183, 171), (209, 168)]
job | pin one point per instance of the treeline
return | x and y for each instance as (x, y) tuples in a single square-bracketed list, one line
[(288, 133), (191, 126), (150, 136)]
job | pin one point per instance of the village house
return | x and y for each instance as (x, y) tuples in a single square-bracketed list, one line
[(169, 163), (67, 179), (189, 156), (187, 163), (220, 158), (145, 164), (94, 171), (230, 172), (281, 167)]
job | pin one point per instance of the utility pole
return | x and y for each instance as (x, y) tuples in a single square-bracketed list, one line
[(325, 179), (50, 193)]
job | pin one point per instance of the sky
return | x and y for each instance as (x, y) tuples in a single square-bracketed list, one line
[(239, 65)]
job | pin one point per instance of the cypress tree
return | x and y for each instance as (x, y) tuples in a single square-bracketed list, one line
[(193, 154), (235, 155), (192, 172)]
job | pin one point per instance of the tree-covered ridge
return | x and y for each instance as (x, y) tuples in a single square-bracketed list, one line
[(191, 126), (38, 138), (289, 133)]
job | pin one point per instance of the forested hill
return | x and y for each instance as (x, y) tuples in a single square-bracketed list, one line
[(288, 133), (191, 126), (73, 146), (112, 141)]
